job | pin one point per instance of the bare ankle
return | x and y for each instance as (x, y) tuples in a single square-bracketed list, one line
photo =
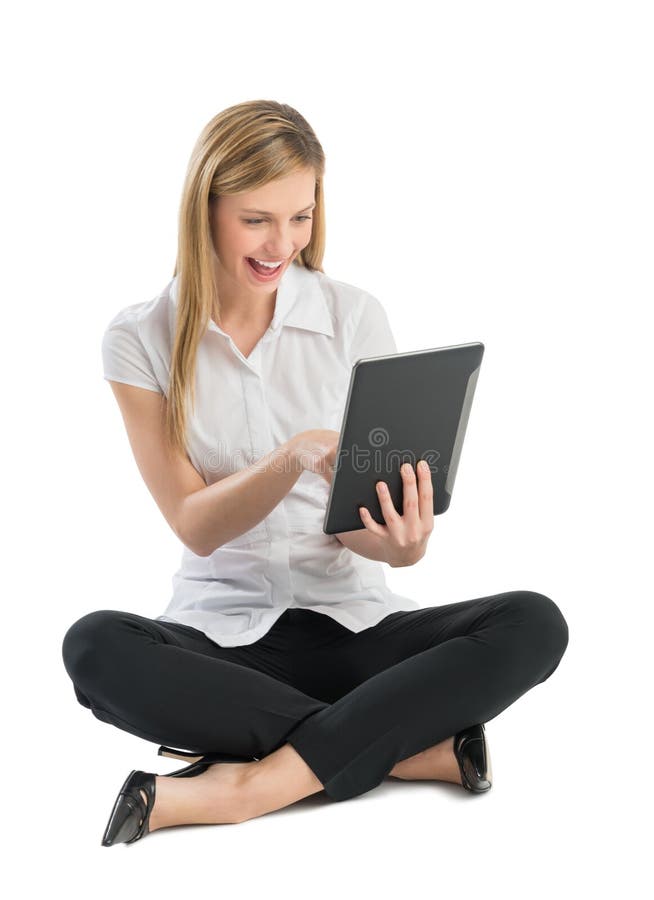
[(436, 763), (217, 796), (279, 779)]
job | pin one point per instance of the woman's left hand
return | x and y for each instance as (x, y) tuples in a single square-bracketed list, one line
[(404, 537)]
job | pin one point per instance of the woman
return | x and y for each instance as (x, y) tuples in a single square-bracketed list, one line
[(283, 663)]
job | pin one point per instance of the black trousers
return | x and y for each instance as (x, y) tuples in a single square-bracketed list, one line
[(352, 705)]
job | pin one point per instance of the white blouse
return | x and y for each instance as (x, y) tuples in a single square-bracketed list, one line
[(296, 378)]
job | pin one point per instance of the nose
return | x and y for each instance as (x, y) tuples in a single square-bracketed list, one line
[(280, 243)]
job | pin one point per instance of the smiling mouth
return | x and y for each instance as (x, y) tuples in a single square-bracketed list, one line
[(262, 271)]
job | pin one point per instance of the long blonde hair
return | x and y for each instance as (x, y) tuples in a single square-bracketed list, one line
[(242, 148)]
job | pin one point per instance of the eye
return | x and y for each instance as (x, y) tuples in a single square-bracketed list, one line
[(259, 221)]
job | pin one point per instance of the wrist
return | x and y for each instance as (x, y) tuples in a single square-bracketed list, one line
[(290, 450), (408, 558)]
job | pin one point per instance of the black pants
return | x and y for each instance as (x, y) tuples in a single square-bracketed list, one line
[(352, 705)]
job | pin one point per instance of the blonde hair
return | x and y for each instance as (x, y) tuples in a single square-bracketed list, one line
[(242, 148)]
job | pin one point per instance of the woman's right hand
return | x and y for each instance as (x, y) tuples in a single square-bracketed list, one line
[(315, 450)]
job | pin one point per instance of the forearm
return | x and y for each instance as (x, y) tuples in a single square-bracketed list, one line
[(364, 543), (222, 511)]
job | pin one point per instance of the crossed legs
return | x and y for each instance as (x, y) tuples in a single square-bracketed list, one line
[(352, 710), (236, 792)]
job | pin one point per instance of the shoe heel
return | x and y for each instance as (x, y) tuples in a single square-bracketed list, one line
[(203, 763), (199, 761), (178, 754)]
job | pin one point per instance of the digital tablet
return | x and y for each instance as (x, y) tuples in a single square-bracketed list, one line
[(400, 408)]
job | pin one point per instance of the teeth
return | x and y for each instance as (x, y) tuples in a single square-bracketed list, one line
[(269, 265)]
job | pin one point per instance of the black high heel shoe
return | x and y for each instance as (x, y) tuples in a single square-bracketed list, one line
[(473, 757), (130, 816)]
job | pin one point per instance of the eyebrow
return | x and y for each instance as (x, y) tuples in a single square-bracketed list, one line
[(263, 211)]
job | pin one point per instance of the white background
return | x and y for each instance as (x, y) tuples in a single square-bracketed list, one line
[(489, 177)]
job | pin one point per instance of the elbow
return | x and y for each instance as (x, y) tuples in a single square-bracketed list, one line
[(198, 551), (195, 548), (192, 545), (185, 535), (188, 543)]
